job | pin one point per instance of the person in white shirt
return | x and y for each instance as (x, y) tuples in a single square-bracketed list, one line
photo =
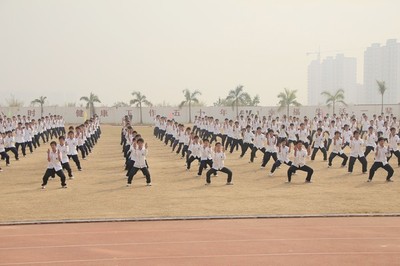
[(318, 144), (259, 144), (19, 138), (380, 161), (141, 152), (270, 150), (72, 144), (394, 140), (54, 165), (248, 138), (347, 134), (195, 154), (9, 142), (283, 156), (356, 152), (63, 148), (3, 153), (236, 138), (228, 129), (299, 163), (337, 143), (205, 156), (28, 136), (370, 141), (218, 157)]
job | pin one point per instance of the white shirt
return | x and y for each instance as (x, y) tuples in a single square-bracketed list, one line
[(300, 158), (319, 141), (64, 153), (218, 160), (19, 135), (337, 146), (371, 140), (356, 148), (393, 140), (205, 153), (381, 154), (259, 141), (54, 161), (140, 157), (283, 154), (248, 137), (72, 143), (196, 150), (271, 146)]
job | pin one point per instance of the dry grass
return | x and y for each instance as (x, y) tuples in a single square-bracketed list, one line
[(99, 191)]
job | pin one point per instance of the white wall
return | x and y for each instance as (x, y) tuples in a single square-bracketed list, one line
[(114, 115)]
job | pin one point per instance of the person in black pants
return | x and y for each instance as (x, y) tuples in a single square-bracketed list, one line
[(300, 156), (356, 153), (54, 165), (337, 143), (380, 161), (140, 150), (218, 165)]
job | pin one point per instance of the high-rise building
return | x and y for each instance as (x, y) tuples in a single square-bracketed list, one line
[(382, 63), (332, 74)]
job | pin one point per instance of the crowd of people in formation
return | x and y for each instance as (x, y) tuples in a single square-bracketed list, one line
[(19, 133), (287, 140)]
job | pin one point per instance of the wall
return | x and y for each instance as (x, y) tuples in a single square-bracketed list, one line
[(113, 115)]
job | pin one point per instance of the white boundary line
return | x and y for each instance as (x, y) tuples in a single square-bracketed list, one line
[(208, 256)]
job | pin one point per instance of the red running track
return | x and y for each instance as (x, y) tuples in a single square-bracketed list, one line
[(290, 241)]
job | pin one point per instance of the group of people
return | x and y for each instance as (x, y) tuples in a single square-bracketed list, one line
[(18, 133), (281, 139)]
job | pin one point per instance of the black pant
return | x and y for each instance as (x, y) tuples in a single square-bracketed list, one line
[(245, 146), (29, 145), (179, 147), (368, 149), (228, 142), (378, 165), (175, 144), (254, 151), (214, 171), (214, 137), (22, 148), (184, 150), (76, 160), (83, 152), (333, 155), (203, 164), (52, 172), (267, 156), (13, 150), (67, 167), (315, 150), (292, 169), (278, 163), (362, 160), (329, 144), (168, 137), (397, 154), (235, 143), (133, 172), (4, 156), (190, 160)]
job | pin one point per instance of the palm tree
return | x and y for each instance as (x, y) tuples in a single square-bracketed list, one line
[(41, 100), (190, 97), (286, 99), (332, 99), (238, 97), (90, 101), (255, 101), (139, 100), (382, 88)]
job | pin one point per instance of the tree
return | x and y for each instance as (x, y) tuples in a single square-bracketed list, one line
[(382, 89), (41, 100), (120, 104), (238, 97), (190, 98), (255, 101), (14, 102), (90, 101), (139, 100), (286, 99), (332, 99)]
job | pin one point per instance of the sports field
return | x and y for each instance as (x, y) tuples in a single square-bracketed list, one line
[(99, 191)]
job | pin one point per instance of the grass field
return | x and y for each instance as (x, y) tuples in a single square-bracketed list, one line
[(99, 191)]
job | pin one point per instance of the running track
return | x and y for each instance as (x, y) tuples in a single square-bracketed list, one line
[(290, 241)]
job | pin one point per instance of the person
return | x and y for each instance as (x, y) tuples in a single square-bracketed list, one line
[(54, 165), (270, 150), (63, 148), (72, 144), (141, 151), (195, 147), (283, 156), (9, 143), (248, 137), (205, 156), (394, 140), (370, 141), (380, 161), (356, 153), (3, 154), (299, 163), (259, 144), (19, 138), (337, 143), (218, 158), (318, 144)]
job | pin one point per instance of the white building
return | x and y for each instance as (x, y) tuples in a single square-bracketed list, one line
[(382, 63), (331, 74)]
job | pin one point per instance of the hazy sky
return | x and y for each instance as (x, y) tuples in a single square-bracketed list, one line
[(65, 49)]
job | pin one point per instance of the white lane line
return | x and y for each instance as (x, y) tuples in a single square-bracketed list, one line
[(197, 242), (206, 256), (190, 229)]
